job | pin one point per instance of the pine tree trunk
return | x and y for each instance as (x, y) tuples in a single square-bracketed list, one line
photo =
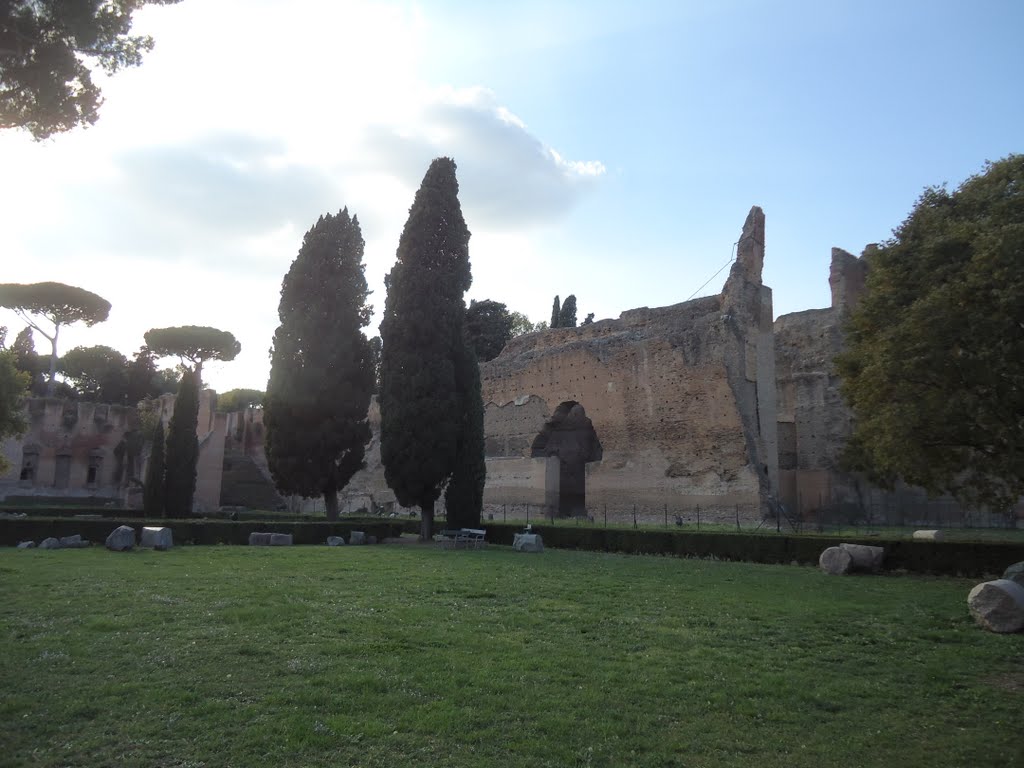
[(331, 504), (52, 383), (426, 522)]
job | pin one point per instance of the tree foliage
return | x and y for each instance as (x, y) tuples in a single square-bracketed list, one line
[(98, 373), (145, 380), (182, 449), (556, 313), (194, 343), (464, 495), (934, 368), (489, 328), (48, 49), (376, 352), (321, 376), (13, 388), (27, 360), (239, 399), (567, 314), (153, 490), (59, 305), (423, 397)]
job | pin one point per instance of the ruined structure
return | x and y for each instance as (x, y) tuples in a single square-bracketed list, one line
[(96, 453), (672, 407)]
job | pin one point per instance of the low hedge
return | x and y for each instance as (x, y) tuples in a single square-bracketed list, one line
[(970, 559), (36, 529)]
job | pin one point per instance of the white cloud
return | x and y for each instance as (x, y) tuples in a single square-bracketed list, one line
[(187, 202)]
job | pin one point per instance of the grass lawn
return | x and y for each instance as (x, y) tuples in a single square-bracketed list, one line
[(395, 655)]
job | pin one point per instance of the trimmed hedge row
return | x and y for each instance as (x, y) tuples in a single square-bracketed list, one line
[(36, 529), (969, 559)]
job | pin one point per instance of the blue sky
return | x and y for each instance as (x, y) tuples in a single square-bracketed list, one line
[(609, 150)]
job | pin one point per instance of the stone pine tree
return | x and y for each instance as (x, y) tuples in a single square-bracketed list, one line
[(322, 370), (423, 398), (153, 492), (567, 315), (182, 449), (556, 313)]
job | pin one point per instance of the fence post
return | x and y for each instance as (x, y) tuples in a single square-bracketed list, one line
[(666, 515), (606, 515), (698, 517), (737, 517), (527, 514), (504, 513), (634, 516)]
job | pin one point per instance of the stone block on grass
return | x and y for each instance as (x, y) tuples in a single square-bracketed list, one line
[(1014, 573), (836, 561), (121, 539), (357, 537), (26, 545), (865, 558), (928, 536), (50, 542), (280, 539), (528, 542), (335, 541), (158, 538), (998, 605), (73, 542), (259, 539)]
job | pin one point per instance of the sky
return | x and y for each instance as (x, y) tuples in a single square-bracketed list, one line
[(605, 149)]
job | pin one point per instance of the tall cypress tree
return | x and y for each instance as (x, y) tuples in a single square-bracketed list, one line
[(464, 496), (556, 313), (322, 366), (182, 449), (422, 405), (567, 315), (153, 492)]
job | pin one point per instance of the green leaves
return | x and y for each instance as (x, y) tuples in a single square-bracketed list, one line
[(322, 366), (428, 410), (935, 366)]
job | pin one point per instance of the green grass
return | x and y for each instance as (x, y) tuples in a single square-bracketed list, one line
[(393, 656)]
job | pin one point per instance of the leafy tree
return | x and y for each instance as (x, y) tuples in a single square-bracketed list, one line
[(13, 388), (153, 490), (239, 399), (556, 313), (589, 318), (182, 449), (934, 368), (193, 343), (567, 315), (145, 380), (422, 407), (321, 373), (48, 49), (521, 324), (489, 326), (59, 305), (99, 373), (27, 360)]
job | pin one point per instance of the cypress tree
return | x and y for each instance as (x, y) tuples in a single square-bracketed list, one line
[(464, 495), (422, 409), (322, 368), (556, 313), (567, 315), (182, 449), (153, 492)]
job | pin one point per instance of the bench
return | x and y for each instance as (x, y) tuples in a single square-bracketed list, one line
[(465, 538)]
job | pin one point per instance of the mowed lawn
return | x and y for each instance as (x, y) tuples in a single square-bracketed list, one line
[(409, 655)]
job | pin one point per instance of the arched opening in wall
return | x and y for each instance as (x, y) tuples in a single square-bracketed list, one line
[(570, 436)]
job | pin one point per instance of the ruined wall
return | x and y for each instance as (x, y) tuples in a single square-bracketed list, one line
[(681, 398), (97, 451), (74, 450)]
